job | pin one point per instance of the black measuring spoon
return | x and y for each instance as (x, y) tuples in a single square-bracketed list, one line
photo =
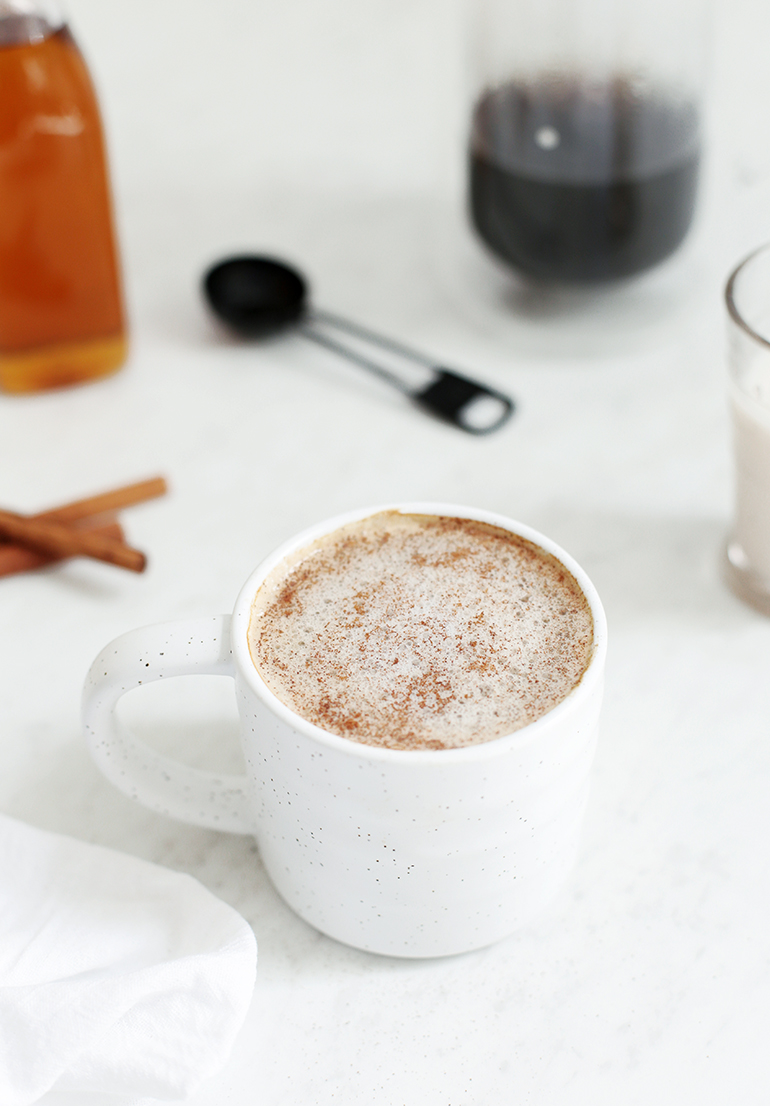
[(260, 296)]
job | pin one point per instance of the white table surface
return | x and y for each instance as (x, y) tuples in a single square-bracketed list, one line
[(648, 980)]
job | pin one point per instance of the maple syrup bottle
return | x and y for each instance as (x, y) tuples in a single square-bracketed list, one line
[(61, 306)]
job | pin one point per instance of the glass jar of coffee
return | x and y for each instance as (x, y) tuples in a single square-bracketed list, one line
[(586, 133)]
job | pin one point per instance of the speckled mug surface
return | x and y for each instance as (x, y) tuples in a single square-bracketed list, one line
[(412, 853)]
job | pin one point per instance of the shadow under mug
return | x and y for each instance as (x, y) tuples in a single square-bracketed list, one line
[(405, 853)]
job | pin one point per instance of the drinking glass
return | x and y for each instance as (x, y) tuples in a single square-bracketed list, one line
[(747, 553)]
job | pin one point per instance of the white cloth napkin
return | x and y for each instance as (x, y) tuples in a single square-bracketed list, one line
[(118, 978)]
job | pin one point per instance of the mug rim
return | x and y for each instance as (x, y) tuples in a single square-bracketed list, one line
[(247, 670)]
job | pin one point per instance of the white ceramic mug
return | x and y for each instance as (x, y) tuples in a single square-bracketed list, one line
[(406, 853)]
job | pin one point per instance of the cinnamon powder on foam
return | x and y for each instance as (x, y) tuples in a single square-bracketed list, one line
[(420, 632)]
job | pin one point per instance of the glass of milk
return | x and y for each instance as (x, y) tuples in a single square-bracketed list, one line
[(747, 553)]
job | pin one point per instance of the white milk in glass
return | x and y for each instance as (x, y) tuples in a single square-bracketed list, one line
[(751, 436)]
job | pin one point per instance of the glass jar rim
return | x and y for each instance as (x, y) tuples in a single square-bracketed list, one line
[(730, 296)]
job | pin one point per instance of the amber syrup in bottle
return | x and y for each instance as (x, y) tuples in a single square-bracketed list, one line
[(61, 306)]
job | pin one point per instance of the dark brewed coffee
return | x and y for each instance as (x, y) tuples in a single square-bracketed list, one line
[(577, 183)]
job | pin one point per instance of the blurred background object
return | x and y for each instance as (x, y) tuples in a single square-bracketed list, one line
[(747, 555), (61, 311), (585, 141), (260, 296)]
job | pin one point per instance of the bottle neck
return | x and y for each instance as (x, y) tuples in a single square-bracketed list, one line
[(23, 21)]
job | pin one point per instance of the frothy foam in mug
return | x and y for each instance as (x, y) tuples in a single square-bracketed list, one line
[(420, 631)]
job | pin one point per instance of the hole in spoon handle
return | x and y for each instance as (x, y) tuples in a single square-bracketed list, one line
[(466, 404)]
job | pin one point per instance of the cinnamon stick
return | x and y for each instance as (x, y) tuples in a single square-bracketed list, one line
[(18, 558), (58, 540), (92, 513), (109, 501)]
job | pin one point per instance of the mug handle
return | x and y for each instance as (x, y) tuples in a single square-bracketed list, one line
[(198, 646)]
